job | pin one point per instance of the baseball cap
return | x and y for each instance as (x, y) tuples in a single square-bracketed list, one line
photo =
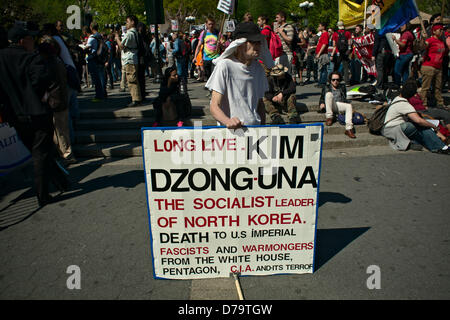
[(16, 33), (248, 30)]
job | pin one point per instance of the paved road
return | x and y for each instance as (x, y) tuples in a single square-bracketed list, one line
[(390, 211)]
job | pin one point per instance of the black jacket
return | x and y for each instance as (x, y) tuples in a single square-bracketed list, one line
[(327, 88), (379, 44), (24, 78)]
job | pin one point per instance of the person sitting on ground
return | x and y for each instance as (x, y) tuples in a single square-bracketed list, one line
[(171, 105), (403, 124), (281, 95), (333, 100)]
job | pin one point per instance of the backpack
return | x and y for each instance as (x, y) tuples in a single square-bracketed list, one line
[(342, 43), (102, 51), (295, 40), (357, 118), (376, 122), (275, 45), (182, 49)]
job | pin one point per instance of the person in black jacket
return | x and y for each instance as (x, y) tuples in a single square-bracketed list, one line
[(281, 95), (171, 104), (333, 100), (24, 80), (384, 59)]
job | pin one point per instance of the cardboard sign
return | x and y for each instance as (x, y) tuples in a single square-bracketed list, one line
[(226, 201)]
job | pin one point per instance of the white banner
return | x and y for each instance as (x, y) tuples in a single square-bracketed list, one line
[(12, 151), (232, 201), (226, 6)]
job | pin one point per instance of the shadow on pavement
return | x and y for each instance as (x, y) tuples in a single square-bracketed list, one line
[(129, 179), (19, 209), (335, 197), (26, 205), (330, 242)]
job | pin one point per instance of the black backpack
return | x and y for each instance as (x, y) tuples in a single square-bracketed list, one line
[(342, 43), (102, 51), (295, 41)]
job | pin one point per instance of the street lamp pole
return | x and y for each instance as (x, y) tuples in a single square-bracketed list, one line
[(306, 5)]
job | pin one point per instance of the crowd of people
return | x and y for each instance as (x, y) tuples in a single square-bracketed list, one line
[(248, 73)]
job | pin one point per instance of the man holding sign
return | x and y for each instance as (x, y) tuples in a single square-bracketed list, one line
[(238, 82)]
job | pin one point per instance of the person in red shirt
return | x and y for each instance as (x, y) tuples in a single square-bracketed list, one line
[(432, 65), (263, 23), (341, 39), (401, 69), (322, 54)]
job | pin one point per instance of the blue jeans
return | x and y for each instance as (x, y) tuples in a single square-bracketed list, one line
[(401, 69), (423, 136), (98, 78)]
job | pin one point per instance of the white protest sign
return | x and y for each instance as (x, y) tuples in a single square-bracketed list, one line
[(174, 25), (232, 201), (226, 6), (12, 151), (230, 26), (394, 45)]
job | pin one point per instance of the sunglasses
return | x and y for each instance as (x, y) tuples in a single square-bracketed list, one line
[(335, 79)]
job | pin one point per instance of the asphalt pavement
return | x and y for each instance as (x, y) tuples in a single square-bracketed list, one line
[(388, 211)]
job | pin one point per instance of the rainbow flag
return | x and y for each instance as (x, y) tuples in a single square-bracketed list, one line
[(400, 13)]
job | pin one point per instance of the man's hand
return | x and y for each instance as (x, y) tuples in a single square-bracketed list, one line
[(278, 98), (234, 123)]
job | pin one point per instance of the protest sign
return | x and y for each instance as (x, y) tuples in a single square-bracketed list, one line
[(12, 151), (232, 201), (174, 25), (363, 49), (226, 6)]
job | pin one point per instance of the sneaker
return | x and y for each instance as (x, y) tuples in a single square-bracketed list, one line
[(443, 151), (155, 124), (321, 110), (180, 123)]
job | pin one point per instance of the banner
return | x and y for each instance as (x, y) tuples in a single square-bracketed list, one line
[(363, 49), (232, 201), (12, 151), (352, 12)]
